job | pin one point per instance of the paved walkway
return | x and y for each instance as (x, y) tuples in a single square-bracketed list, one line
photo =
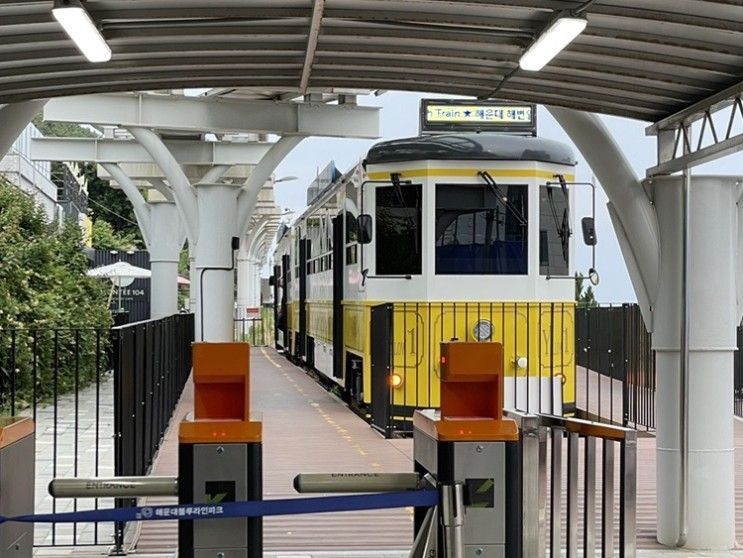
[(305, 430)]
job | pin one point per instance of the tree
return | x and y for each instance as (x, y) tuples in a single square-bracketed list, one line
[(50, 310), (105, 237), (584, 296), (43, 279)]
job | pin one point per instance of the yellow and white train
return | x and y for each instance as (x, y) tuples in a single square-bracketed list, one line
[(457, 236)]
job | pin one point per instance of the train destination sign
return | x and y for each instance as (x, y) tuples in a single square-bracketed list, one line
[(439, 115)]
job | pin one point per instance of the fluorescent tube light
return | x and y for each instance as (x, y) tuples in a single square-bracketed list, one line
[(551, 42), (78, 25)]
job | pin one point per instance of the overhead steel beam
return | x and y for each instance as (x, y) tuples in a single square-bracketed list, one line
[(217, 115), (699, 134), (713, 103), (195, 173), (314, 34), (187, 152)]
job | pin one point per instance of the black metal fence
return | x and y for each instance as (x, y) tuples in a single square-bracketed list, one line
[(101, 400), (62, 378), (151, 364), (615, 372)]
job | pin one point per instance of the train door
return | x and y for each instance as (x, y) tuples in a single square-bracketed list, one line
[(284, 322), (300, 346), (381, 364), (339, 242), (276, 279)]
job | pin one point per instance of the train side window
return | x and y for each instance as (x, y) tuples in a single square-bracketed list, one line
[(554, 231), (398, 230), (482, 230)]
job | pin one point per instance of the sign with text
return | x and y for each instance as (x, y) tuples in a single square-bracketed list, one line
[(439, 115)]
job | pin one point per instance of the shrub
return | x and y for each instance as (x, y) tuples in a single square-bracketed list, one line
[(44, 289)]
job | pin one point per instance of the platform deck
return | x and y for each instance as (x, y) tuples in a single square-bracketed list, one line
[(306, 429)]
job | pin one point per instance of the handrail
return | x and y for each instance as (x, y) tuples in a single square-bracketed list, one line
[(535, 432)]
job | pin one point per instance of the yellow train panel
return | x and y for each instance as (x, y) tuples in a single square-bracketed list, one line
[(538, 343), (320, 320)]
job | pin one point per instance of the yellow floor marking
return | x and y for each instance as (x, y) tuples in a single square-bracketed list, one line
[(272, 361)]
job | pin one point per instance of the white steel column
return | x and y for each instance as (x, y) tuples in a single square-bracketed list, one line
[(255, 292), (164, 234), (243, 279), (217, 216), (14, 117), (711, 281), (167, 237), (650, 233)]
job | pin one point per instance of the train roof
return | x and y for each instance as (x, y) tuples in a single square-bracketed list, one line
[(471, 146)]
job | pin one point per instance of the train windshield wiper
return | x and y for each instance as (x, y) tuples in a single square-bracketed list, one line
[(563, 228), (503, 200)]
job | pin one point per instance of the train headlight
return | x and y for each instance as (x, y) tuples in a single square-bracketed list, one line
[(483, 330), (395, 380)]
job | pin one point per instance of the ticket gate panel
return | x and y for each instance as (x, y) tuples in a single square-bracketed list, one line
[(220, 476), (481, 468)]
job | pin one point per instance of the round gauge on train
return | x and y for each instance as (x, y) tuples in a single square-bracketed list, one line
[(483, 330)]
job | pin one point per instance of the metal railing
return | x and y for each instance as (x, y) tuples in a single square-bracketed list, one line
[(615, 372), (151, 364), (61, 377), (573, 503), (256, 330)]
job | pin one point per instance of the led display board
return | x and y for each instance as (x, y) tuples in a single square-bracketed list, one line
[(441, 115)]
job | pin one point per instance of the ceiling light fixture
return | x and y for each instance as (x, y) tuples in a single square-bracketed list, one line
[(560, 33), (79, 26)]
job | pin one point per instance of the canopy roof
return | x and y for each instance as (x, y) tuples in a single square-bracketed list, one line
[(644, 59)]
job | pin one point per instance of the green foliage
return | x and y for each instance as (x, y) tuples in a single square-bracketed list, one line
[(106, 203), (61, 129), (110, 204), (584, 294), (106, 238), (184, 270), (43, 289)]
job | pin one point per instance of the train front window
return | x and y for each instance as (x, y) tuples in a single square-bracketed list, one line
[(482, 229), (398, 230), (554, 231)]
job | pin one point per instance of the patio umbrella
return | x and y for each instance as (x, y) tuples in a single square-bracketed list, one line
[(121, 274)]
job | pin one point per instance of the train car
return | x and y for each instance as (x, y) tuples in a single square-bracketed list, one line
[(462, 236)]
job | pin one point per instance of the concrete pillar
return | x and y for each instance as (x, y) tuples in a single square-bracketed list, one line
[(711, 339), (217, 217)]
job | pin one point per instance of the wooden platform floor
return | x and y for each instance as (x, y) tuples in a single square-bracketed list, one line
[(308, 430)]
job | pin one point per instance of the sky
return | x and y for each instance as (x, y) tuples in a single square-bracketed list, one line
[(400, 118)]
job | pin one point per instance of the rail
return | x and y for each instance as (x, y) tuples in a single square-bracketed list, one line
[(151, 362), (544, 456), (251, 330)]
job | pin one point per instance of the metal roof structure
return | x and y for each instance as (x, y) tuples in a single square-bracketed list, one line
[(644, 59)]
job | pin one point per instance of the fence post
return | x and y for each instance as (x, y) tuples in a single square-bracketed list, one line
[(116, 358)]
